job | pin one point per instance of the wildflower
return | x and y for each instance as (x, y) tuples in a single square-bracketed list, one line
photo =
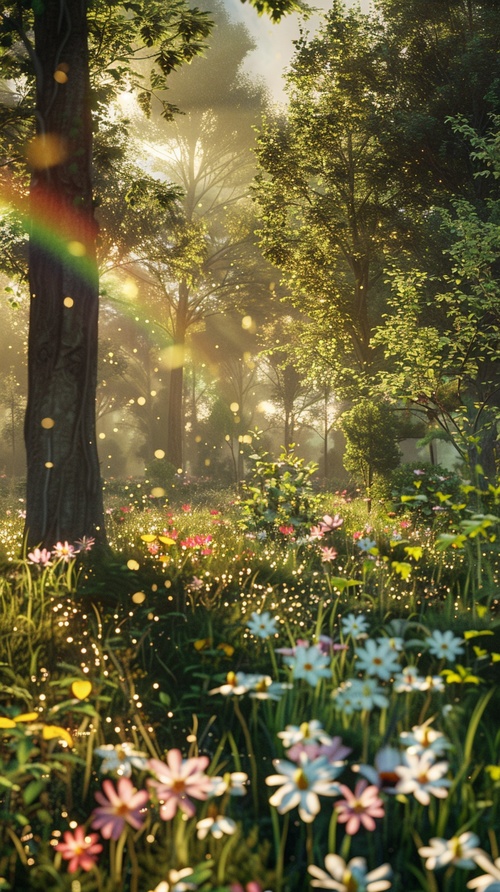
[(309, 663), (359, 808), (301, 785), (86, 543), (40, 556), (64, 551), (118, 807), (422, 738), (351, 877), (355, 626), (489, 881), (175, 881), (422, 776), (236, 683), (262, 625), (328, 554), (358, 694), (264, 688), (79, 849), (444, 645), (328, 646), (459, 851), (290, 651), (377, 659), (334, 751), (307, 732), (366, 544), (383, 771), (316, 532), (233, 783), (120, 758), (286, 530), (409, 680), (177, 781), (217, 826), (329, 523)]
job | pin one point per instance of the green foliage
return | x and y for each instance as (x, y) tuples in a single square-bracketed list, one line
[(372, 432), (426, 491), (161, 473), (280, 493)]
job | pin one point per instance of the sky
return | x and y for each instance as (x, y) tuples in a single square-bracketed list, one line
[(275, 41)]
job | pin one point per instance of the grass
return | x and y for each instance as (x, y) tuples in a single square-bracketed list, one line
[(239, 645)]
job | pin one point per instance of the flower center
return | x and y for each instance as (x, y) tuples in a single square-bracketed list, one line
[(301, 780), (178, 786), (350, 882)]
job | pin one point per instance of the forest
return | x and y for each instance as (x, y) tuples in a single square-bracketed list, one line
[(249, 448)]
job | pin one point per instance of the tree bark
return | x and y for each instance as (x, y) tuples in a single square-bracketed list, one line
[(64, 494)]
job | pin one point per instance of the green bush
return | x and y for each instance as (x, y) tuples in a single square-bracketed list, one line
[(280, 494), (426, 490)]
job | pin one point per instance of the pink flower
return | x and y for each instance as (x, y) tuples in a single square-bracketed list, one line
[(177, 781), (64, 551), (38, 556), (86, 543), (80, 850), (286, 530), (316, 533), (359, 808), (330, 523), (328, 554), (118, 807), (186, 508)]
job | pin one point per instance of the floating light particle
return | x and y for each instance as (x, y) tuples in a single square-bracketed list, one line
[(76, 249), (130, 289), (46, 150), (153, 393), (159, 453), (141, 401), (47, 423), (248, 324), (49, 464), (234, 407), (102, 436), (68, 302), (132, 564), (60, 76), (138, 597), (157, 492), (173, 356)]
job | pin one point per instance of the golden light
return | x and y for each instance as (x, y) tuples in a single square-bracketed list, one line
[(46, 150)]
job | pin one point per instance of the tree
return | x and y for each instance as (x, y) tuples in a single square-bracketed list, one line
[(64, 497), (205, 258), (325, 195), (442, 336), (371, 435)]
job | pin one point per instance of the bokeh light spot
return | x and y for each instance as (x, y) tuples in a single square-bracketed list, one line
[(68, 302), (47, 423), (46, 150), (159, 453), (76, 249)]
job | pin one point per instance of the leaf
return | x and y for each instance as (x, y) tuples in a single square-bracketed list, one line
[(81, 689), (402, 567), (6, 722), (414, 551), (55, 732), (340, 583), (33, 790)]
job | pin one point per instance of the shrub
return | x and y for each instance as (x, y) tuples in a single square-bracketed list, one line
[(280, 494)]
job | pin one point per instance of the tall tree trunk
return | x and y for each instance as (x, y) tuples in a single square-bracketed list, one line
[(64, 495), (174, 449)]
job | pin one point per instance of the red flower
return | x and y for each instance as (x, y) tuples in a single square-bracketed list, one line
[(80, 850)]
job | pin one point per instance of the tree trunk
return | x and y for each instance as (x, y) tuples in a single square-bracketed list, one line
[(64, 495)]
